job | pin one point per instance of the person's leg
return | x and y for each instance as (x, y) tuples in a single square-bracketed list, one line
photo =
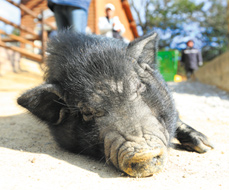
[(189, 73), (60, 16), (193, 75), (78, 19)]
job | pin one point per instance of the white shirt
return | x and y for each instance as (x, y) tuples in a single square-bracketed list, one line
[(106, 26)]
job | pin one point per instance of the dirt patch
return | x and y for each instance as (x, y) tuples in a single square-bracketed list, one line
[(30, 159)]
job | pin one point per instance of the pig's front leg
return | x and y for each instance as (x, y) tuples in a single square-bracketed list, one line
[(191, 139)]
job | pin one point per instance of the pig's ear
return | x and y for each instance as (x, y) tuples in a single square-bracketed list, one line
[(46, 102), (144, 49)]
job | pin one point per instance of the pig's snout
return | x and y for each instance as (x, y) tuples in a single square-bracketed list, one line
[(140, 149), (135, 156), (143, 163)]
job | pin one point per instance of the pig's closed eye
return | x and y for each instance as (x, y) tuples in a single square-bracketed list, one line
[(87, 116)]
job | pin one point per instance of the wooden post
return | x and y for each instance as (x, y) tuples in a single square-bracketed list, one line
[(228, 24), (133, 26), (96, 29), (44, 36)]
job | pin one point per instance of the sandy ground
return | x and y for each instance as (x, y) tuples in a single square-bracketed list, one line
[(30, 159)]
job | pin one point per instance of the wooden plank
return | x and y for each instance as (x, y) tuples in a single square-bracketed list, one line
[(24, 8), (7, 39), (23, 52), (20, 39), (23, 28), (30, 12)]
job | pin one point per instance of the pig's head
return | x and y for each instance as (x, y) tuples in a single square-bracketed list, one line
[(102, 97)]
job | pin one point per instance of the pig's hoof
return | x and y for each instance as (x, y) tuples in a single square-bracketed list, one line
[(197, 142)]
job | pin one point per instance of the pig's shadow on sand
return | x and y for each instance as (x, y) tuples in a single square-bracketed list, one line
[(24, 133)]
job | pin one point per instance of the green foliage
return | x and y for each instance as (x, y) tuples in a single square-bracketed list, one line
[(16, 32), (172, 17), (216, 30)]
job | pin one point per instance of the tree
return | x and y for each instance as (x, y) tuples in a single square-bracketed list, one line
[(177, 21), (215, 33)]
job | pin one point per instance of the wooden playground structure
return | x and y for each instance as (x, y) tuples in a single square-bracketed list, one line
[(32, 13), (14, 38)]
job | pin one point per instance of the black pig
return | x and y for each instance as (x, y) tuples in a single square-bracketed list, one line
[(104, 98)]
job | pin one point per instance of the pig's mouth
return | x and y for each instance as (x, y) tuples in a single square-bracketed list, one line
[(144, 162)]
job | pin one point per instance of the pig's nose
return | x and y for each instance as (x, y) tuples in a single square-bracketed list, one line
[(144, 163)]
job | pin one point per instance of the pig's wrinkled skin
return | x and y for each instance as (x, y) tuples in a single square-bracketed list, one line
[(107, 99)]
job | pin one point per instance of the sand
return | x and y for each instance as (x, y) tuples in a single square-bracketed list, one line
[(30, 159)]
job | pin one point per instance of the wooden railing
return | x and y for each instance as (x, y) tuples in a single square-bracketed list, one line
[(14, 38)]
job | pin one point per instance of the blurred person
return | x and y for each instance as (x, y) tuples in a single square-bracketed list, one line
[(70, 13), (191, 58), (110, 25)]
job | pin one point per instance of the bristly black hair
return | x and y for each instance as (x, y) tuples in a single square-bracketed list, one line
[(76, 61)]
